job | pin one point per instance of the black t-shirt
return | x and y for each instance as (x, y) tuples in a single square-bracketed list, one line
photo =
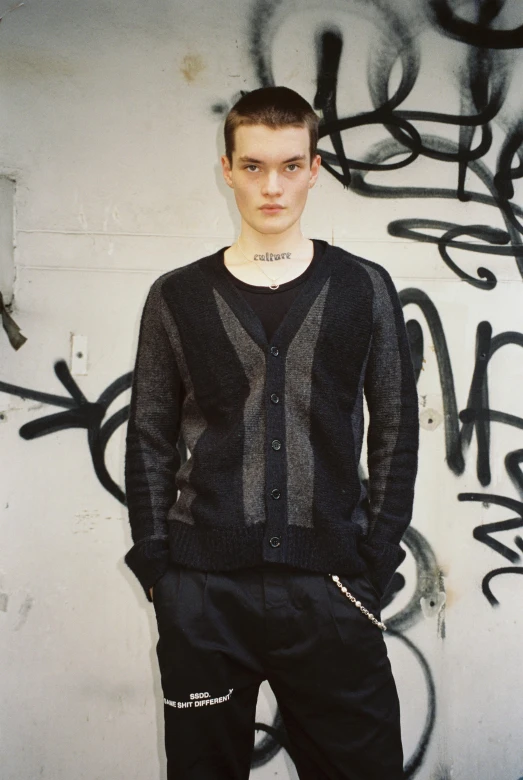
[(272, 305)]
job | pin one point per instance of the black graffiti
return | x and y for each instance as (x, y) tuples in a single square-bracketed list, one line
[(453, 450), (410, 228), (483, 534), (486, 581), (476, 417), (416, 759), (427, 581), (80, 413), (477, 413), (275, 738), (477, 34), (483, 90)]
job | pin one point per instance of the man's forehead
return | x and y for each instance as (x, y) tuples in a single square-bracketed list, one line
[(260, 143)]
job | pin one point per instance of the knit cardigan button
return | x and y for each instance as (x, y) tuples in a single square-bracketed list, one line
[(276, 444), (275, 351)]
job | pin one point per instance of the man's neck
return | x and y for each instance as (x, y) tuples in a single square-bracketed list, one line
[(282, 265), (291, 241)]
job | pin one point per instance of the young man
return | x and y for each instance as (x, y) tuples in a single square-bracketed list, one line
[(264, 555)]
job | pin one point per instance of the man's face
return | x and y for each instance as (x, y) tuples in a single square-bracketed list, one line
[(271, 166)]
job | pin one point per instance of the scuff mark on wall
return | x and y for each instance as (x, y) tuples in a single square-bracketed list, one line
[(23, 612), (192, 66), (430, 419)]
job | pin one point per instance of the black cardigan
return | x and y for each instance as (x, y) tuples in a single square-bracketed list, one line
[(274, 428)]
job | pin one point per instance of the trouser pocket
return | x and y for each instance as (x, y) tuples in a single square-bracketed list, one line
[(373, 587)]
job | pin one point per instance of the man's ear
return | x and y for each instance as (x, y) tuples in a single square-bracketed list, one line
[(226, 169), (315, 170)]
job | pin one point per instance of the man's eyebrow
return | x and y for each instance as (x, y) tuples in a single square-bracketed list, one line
[(296, 157)]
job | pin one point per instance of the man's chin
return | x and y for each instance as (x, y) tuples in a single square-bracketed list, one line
[(271, 227)]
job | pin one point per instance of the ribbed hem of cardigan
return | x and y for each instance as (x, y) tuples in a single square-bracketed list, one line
[(383, 559), (335, 551), (148, 559)]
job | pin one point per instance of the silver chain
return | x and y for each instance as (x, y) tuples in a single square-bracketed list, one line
[(357, 603), (272, 286)]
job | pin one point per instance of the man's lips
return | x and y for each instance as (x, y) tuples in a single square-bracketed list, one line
[(272, 208)]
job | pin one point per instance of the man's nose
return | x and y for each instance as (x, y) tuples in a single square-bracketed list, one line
[(272, 184)]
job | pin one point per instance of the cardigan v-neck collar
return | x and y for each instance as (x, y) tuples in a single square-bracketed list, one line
[(214, 266)]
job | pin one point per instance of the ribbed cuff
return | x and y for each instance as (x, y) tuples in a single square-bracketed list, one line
[(148, 559), (383, 560)]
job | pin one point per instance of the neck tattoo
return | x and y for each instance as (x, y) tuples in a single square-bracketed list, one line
[(269, 256), (274, 282)]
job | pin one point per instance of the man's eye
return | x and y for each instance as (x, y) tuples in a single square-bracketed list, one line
[(294, 164), (252, 165)]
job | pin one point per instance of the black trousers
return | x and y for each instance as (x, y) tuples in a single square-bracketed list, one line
[(222, 633)]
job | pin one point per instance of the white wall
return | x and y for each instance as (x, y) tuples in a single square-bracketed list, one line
[(112, 130)]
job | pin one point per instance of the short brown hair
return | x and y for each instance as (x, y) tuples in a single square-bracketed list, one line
[(272, 106)]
